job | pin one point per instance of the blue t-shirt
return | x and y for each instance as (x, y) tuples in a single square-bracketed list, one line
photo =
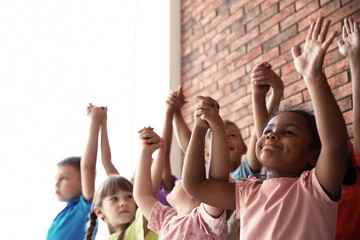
[(243, 171), (71, 222)]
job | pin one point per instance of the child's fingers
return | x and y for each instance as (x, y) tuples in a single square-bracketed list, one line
[(351, 24), (317, 28), (295, 51), (347, 27), (329, 40), (340, 43), (324, 31), (356, 26), (344, 34), (311, 29)]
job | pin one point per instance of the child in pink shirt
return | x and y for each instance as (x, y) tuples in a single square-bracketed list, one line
[(189, 218), (298, 200)]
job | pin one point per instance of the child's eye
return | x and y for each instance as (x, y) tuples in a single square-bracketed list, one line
[(231, 136), (129, 196), (266, 131), (288, 133), (113, 199)]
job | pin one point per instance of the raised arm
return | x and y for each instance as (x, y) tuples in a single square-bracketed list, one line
[(182, 131), (331, 164), (349, 46), (217, 191), (263, 78), (143, 187), (88, 160), (105, 150)]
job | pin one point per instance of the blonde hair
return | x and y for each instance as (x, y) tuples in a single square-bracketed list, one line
[(110, 186), (227, 123)]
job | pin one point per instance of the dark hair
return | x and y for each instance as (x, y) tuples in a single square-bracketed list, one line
[(110, 186), (350, 174), (72, 161)]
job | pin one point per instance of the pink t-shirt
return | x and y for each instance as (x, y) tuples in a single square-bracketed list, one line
[(285, 208), (196, 225)]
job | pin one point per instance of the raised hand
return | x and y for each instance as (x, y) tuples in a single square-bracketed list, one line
[(207, 110), (97, 114), (309, 63), (151, 141), (263, 78), (349, 46), (176, 100)]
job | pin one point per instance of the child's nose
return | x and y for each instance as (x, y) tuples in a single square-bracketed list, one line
[(272, 135)]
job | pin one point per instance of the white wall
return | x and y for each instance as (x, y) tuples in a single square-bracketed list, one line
[(55, 58)]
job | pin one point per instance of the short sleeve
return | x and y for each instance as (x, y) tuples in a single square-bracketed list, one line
[(159, 215), (210, 225)]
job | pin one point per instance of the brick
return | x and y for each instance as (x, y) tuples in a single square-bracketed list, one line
[(206, 19), (294, 100), (238, 4), (248, 15), (231, 57), (323, 2), (336, 68), (338, 80), (266, 14), (348, 117), (236, 43), (216, 21), (345, 104), (284, 3), (230, 20), (227, 99), (286, 12), (279, 38), (297, 16), (295, 41), (232, 76), (247, 57), (265, 57), (265, 4), (271, 32), (252, 4), (332, 57), (325, 11), (345, 11), (294, 88), (281, 60), (287, 68), (342, 91), (193, 72), (193, 7), (211, 8), (301, 3)]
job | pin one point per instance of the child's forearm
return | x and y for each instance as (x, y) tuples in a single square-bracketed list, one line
[(106, 152), (220, 159), (355, 75), (182, 131), (194, 165), (143, 182), (260, 114), (167, 133), (88, 163), (157, 169)]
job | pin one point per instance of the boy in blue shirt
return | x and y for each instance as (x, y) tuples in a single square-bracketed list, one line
[(75, 184)]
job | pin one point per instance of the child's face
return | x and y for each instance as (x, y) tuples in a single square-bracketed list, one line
[(118, 209), (236, 144), (68, 183), (284, 148)]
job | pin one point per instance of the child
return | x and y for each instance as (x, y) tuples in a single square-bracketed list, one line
[(349, 207), (114, 204), (75, 182), (294, 202), (188, 219), (115, 196), (236, 144)]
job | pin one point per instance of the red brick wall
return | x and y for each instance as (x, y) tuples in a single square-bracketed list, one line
[(222, 40)]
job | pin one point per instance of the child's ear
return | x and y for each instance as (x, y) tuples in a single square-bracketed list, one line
[(244, 149), (99, 213)]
